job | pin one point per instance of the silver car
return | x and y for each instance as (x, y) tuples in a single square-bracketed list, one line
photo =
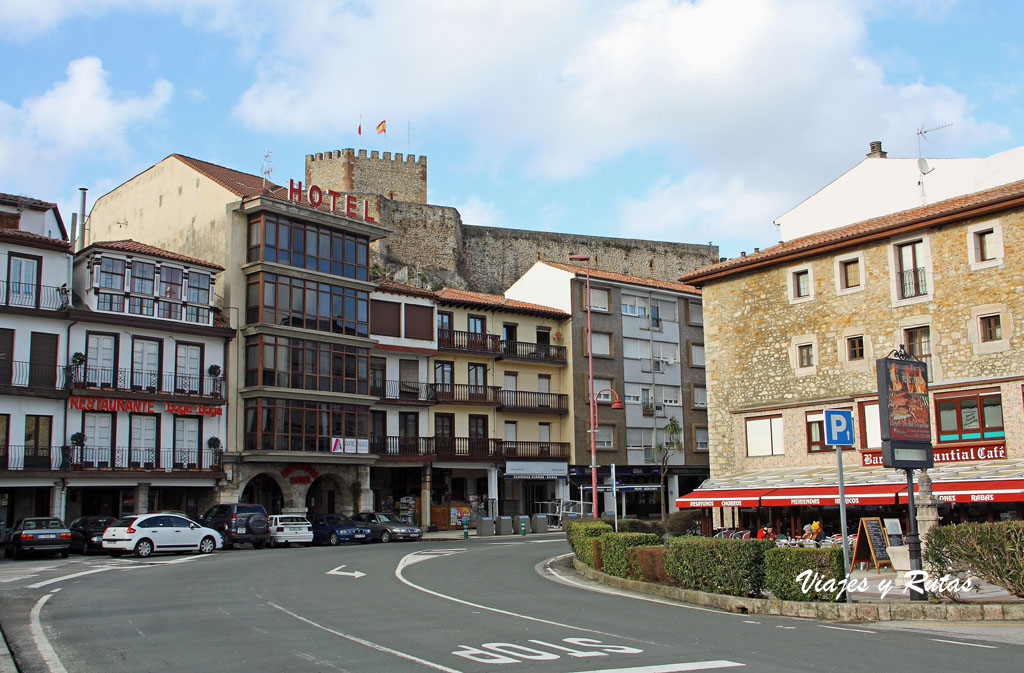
[(386, 527)]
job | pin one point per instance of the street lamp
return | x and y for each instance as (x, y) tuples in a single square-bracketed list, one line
[(593, 401)]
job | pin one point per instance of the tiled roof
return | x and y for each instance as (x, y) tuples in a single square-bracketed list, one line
[(128, 245), (624, 277), (921, 217), (29, 238), (26, 201), (241, 184), (496, 301), (395, 287)]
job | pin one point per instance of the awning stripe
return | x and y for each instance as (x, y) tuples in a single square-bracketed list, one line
[(995, 490)]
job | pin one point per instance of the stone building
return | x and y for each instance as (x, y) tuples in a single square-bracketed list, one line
[(795, 329), (648, 352)]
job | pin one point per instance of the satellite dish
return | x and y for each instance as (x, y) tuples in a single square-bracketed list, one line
[(922, 165)]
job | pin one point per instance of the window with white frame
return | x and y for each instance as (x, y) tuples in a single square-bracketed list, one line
[(696, 355), (632, 393), (870, 425), (800, 284), (636, 348), (764, 436), (668, 395), (700, 397), (598, 299), (603, 438), (696, 309), (186, 440), (664, 309), (602, 343), (665, 351), (633, 305), (700, 439), (143, 277), (599, 385), (985, 245)]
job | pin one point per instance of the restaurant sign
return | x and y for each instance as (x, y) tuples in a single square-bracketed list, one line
[(903, 415), (952, 454), (141, 406)]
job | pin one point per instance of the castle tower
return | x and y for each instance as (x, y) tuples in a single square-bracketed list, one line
[(399, 179)]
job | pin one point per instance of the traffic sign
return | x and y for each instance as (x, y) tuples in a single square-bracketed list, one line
[(838, 427)]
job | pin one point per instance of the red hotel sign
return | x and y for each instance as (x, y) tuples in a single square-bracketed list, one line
[(315, 196), (952, 454), (140, 406)]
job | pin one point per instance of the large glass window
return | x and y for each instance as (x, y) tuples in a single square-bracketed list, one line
[(301, 364), (112, 273), (975, 417), (143, 277), (764, 436), (307, 304), (170, 283), (308, 246), (198, 291), (301, 425)]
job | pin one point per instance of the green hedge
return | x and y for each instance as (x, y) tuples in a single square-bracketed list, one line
[(784, 564), (993, 552), (615, 549), (641, 526), (716, 565), (581, 536)]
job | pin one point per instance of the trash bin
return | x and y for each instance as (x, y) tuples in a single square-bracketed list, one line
[(484, 526), (503, 526), (522, 524), (565, 517), (539, 523)]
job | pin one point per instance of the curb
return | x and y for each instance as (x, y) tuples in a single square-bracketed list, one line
[(7, 664), (868, 611)]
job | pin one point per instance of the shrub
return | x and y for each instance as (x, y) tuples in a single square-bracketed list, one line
[(581, 535), (641, 526), (648, 564), (784, 564), (993, 552), (724, 566), (684, 522), (615, 548)]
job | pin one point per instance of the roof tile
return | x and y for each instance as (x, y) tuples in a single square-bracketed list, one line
[(241, 184), (625, 277), (129, 245), (496, 301)]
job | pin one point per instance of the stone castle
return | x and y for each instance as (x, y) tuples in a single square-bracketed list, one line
[(431, 246)]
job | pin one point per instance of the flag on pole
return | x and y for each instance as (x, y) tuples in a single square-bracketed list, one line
[(382, 127), (359, 131)]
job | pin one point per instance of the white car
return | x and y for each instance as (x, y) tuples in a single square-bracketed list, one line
[(286, 529), (148, 533)]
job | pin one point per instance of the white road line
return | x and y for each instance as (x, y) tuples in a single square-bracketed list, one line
[(750, 621), (785, 627), (40, 585), (844, 628), (672, 668), (957, 642), (367, 643), (613, 592), (46, 650)]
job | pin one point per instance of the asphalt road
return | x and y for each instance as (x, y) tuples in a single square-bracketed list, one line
[(466, 606)]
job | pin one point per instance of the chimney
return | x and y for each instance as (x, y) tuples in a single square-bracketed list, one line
[(876, 150), (81, 221)]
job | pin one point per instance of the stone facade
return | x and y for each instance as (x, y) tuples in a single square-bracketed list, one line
[(399, 179), (754, 327)]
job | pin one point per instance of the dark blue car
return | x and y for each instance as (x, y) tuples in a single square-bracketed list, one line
[(334, 529)]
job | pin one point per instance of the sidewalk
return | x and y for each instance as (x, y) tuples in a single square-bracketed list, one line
[(981, 591)]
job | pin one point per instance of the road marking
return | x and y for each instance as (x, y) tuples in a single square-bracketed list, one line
[(957, 642), (409, 560), (613, 592), (843, 628), (46, 650), (750, 621), (672, 668), (366, 643), (39, 585), (785, 627), (348, 573)]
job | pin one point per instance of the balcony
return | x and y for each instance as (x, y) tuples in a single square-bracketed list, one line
[(30, 295), (464, 448), (468, 342), (22, 375), (530, 352), (21, 457), (85, 377), (135, 458), (462, 393), (912, 283), (401, 447), (410, 392), (541, 403)]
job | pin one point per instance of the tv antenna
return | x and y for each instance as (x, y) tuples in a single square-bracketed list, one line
[(922, 164), (267, 169)]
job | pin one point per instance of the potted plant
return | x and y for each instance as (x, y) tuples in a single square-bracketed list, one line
[(213, 370), (213, 443), (78, 440), (78, 359)]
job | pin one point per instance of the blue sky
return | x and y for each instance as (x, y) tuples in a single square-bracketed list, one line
[(681, 121)]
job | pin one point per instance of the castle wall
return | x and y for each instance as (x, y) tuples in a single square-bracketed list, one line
[(399, 178)]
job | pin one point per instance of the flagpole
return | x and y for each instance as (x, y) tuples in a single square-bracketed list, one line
[(408, 149)]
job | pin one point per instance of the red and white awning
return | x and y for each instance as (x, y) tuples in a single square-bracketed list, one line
[(974, 491), (730, 497)]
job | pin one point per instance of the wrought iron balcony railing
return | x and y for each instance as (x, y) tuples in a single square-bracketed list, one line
[(168, 459), (83, 376), (31, 295), (22, 457), (532, 352), (913, 283), (27, 375), (468, 342), (402, 391)]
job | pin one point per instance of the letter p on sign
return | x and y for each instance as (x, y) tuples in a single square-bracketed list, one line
[(838, 427)]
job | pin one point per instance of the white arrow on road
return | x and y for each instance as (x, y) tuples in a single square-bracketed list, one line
[(349, 573)]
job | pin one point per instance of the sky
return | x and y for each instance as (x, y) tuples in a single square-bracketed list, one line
[(689, 121)]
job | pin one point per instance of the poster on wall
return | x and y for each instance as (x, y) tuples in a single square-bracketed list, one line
[(363, 446), (337, 445), (350, 445)]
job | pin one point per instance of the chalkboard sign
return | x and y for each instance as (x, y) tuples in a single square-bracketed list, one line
[(872, 543)]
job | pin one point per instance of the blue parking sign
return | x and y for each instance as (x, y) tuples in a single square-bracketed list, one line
[(838, 427)]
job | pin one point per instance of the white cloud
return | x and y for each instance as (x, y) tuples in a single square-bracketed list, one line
[(78, 119), (476, 211)]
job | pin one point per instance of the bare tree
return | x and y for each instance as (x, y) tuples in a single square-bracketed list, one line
[(671, 447)]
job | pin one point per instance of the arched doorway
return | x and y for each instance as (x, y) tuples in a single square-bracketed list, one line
[(263, 489), (324, 495)]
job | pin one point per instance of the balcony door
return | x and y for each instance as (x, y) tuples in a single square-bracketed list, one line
[(477, 328), (409, 379), (444, 373), (477, 381), (478, 435), (43, 360), (408, 432), (511, 437), (544, 439), (143, 441), (24, 282), (509, 388), (543, 390), (99, 439), (188, 368), (444, 433), (6, 356), (146, 364), (186, 443), (99, 364)]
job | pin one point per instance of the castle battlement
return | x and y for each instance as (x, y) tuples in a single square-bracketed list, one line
[(399, 157), (402, 178)]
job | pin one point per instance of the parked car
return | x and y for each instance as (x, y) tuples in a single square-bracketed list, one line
[(47, 535), (333, 529), (87, 533), (148, 533), (387, 527), (286, 529), (239, 522)]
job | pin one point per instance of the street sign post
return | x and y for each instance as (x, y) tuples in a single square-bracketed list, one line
[(839, 433)]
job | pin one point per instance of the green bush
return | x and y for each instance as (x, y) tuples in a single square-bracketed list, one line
[(615, 548), (581, 536), (993, 552), (641, 526), (783, 565), (723, 566), (684, 522), (649, 564)]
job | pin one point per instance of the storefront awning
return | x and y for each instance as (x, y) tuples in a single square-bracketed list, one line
[(856, 494), (735, 497), (974, 491)]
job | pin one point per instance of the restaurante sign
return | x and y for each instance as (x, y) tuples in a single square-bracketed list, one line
[(140, 406)]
